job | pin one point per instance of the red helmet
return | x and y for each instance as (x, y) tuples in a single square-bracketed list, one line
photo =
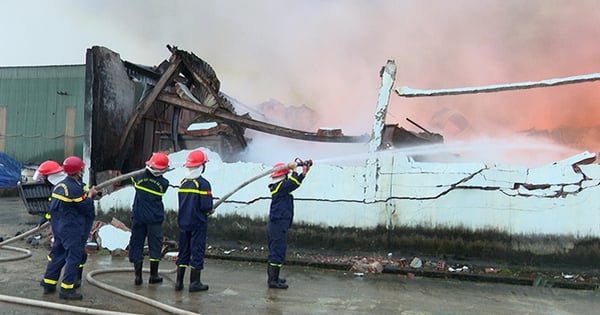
[(196, 158), (280, 172), (73, 165), (49, 167), (159, 161)]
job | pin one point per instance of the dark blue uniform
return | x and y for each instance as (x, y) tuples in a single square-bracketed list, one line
[(71, 211), (195, 203), (148, 214), (89, 221), (281, 215)]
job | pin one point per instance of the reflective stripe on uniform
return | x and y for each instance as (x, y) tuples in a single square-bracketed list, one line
[(274, 191), (66, 193), (50, 281), (67, 286), (65, 199), (148, 190), (193, 190)]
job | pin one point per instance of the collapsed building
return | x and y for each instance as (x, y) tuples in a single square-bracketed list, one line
[(137, 110)]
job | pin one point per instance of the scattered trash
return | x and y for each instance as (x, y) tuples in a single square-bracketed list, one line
[(172, 256), (402, 263), (458, 269), (569, 277), (34, 240), (441, 265), (375, 267), (416, 263), (491, 270), (227, 252), (359, 274)]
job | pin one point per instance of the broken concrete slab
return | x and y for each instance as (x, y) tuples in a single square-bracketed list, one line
[(113, 238)]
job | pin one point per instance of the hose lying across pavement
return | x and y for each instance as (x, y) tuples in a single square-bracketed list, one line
[(90, 275)]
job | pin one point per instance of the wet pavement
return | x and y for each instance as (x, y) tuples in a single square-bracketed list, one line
[(239, 287)]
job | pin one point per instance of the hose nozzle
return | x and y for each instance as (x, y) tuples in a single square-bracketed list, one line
[(299, 162)]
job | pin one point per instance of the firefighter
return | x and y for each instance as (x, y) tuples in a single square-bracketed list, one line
[(51, 173), (281, 214), (70, 207), (195, 205), (147, 215)]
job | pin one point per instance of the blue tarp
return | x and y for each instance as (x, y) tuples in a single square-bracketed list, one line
[(10, 171)]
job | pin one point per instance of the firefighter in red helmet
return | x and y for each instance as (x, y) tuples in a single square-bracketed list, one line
[(147, 216), (195, 205), (72, 210), (281, 214), (50, 173)]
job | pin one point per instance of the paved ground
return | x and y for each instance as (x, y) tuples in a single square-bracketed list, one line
[(239, 287)]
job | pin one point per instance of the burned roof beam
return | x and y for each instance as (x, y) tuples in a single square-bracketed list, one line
[(233, 119), (172, 71)]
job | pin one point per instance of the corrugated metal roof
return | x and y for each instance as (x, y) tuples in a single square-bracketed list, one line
[(44, 111)]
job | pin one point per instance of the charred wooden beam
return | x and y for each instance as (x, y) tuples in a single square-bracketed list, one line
[(172, 71), (234, 119)]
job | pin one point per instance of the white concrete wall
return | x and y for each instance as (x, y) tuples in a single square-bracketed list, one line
[(549, 200)]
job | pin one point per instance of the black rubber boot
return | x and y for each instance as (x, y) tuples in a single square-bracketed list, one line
[(48, 288), (273, 280), (195, 283), (69, 294), (179, 281), (154, 278), (79, 277), (138, 272)]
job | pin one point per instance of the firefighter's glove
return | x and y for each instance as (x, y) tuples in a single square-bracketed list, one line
[(92, 193), (305, 169)]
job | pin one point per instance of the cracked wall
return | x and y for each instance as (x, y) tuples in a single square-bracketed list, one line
[(557, 199)]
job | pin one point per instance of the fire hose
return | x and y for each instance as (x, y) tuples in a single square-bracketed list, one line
[(90, 275)]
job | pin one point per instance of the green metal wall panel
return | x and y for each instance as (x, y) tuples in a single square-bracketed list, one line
[(38, 101)]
